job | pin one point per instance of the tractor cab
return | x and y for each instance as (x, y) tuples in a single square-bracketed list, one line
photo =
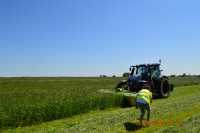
[(145, 72)]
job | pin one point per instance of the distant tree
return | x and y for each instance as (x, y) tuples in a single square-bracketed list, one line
[(102, 76), (198, 76), (172, 75), (114, 76), (184, 75), (126, 74)]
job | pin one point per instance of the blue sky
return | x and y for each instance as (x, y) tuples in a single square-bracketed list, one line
[(92, 37)]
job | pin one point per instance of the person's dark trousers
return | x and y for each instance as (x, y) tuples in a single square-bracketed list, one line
[(143, 107)]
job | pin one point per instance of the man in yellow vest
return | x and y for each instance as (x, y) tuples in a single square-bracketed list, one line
[(143, 101)]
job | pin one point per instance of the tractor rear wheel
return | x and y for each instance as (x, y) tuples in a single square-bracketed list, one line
[(164, 88)]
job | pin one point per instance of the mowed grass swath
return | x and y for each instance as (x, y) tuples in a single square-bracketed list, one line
[(26, 101)]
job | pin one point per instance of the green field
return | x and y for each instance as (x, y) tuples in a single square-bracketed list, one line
[(185, 81), (27, 101)]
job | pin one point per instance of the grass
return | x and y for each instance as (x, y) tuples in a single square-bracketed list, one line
[(185, 81), (188, 125), (25, 101), (29, 101), (177, 111)]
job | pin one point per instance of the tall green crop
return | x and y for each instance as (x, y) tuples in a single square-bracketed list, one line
[(25, 101)]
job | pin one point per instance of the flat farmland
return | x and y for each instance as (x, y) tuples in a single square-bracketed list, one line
[(30, 102)]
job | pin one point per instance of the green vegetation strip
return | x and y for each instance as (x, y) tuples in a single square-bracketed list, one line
[(27, 101), (183, 103), (185, 81)]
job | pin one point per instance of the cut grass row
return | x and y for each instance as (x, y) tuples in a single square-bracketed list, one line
[(174, 109)]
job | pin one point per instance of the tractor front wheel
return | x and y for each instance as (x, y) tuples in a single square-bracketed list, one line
[(164, 88)]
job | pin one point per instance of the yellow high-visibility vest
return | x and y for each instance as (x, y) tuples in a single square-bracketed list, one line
[(145, 95)]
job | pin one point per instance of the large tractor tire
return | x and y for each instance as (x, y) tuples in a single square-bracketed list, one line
[(164, 88)]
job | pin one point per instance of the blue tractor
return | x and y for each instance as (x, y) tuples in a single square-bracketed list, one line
[(147, 76)]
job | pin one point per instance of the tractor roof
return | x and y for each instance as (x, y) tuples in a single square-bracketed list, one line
[(154, 64)]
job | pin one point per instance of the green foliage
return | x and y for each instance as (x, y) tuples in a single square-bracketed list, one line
[(25, 101), (126, 74), (172, 76), (184, 75)]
